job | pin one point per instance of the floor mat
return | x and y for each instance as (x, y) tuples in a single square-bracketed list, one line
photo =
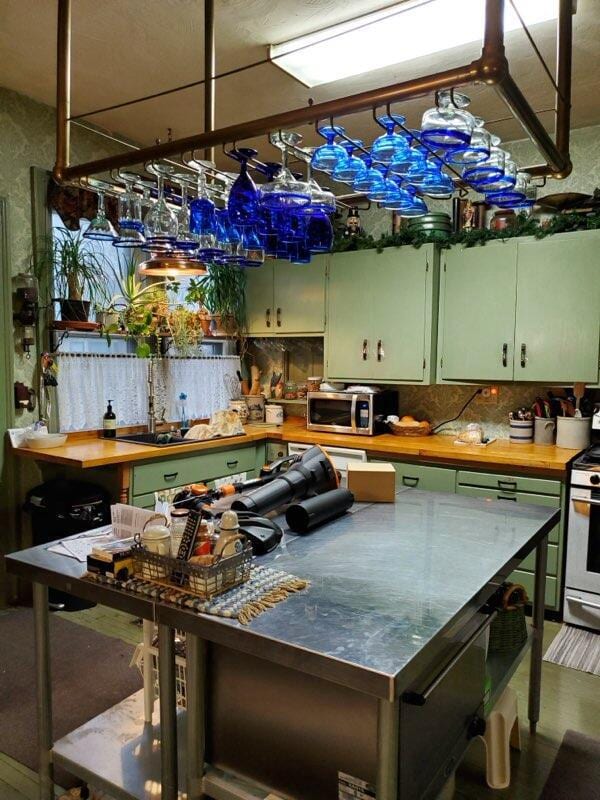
[(575, 775), (90, 673), (575, 648)]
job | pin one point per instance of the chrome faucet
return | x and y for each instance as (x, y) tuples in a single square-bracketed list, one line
[(152, 418)]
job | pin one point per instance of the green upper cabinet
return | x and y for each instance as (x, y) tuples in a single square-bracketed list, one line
[(477, 312), (286, 299), (523, 310), (557, 330), (259, 300), (380, 320)]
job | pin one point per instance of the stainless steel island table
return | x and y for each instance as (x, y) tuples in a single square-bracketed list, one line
[(375, 673)]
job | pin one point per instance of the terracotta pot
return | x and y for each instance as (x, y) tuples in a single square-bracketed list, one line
[(204, 322)]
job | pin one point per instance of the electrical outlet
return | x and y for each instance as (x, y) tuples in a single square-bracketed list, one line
[(489, 395)]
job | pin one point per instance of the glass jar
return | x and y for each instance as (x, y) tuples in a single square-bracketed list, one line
[(448, 125), (302, 390), (290, 391), (179, 518)]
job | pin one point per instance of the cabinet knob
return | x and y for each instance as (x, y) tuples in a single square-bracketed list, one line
[(505, 354), (380, 351), (523, 355), (594, 479), (279, 318), (268, 317), (365, 349)]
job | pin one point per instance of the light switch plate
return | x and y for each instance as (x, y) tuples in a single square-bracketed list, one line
[(489, 395)]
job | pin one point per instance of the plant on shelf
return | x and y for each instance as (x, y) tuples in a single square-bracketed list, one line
[(196, 295), (143, 308), (225, 298), (74, 270), (185, 329)]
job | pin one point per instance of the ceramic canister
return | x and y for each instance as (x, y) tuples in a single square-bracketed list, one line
[(155, 538), (544, 430), (241, 406), (573, 432), (521, 431), (274, 414), (256, 407)]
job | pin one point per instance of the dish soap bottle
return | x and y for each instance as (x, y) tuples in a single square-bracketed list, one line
[(109, 423)]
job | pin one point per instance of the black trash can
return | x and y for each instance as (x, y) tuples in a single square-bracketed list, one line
[(60, 508)]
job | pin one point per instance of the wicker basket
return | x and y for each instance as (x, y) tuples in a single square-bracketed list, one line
[(509, 630), (422, 429)]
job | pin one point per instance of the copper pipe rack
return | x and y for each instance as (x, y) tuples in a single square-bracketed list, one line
[(490, 68)]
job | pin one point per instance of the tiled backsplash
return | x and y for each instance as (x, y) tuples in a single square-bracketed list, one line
[(434, 403)]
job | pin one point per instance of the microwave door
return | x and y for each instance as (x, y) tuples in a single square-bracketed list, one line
[(333, 413), (583, 547)]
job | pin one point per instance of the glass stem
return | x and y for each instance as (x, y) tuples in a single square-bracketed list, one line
[(101, 212)]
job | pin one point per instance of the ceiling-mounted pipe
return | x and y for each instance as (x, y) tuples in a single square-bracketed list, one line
[(209, 73), (63, 88)]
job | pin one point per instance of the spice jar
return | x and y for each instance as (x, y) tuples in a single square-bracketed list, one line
[(290, 391), (302, 390), (179, 518)]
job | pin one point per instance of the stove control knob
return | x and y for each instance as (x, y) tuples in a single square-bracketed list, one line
[(595, 479)]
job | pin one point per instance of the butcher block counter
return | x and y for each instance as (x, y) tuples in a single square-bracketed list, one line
[(87, 450)]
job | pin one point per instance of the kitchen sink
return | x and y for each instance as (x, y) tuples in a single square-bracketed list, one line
[(155, 439)]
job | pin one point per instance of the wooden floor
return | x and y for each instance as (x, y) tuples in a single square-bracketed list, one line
[(570, 699)]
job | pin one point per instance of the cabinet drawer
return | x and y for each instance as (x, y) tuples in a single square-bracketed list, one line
[(191, 469), (509, 483), (144, 501), (518, 497), (527, 579), (417, 476)]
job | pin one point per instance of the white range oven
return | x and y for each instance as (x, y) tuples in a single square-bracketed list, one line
[(582, 574)]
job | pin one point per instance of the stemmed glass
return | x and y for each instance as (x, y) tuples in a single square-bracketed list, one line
[(386, 146), (326, 157), (487, 171), (285, 192), (448, 126), (203, 220), (504, 193), (402, 159), (160, 223), (352, 167), (478, 149), (436, 183), (243, 196), (186, 241), (372, 180), (130, 215), (100, 228)]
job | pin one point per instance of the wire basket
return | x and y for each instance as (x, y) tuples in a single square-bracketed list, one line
[(422, 429), (206, 581)]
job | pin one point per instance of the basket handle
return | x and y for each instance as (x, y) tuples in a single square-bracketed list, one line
[(153, 517), (507, 596)]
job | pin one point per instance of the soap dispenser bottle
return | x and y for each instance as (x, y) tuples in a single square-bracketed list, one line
[(109, 422)]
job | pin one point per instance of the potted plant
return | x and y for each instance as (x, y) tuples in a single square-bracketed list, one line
[(144, 308), (225, 298), (196, 294), (75, 270), (185, 329)]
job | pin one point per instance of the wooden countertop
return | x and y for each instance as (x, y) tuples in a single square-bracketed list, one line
[(91, 451)]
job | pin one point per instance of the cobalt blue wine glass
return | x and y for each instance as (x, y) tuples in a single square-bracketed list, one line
[(508, 196), (418, 168), (487, 171), (350, 168), (371, 180), (203, 220), (436, 183), (389, 143), (403, 157), (243, 196), (319, 233), (326, 157), (477, 150)]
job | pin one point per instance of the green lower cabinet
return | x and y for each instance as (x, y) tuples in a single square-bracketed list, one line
[(526, 572), (418, 476)]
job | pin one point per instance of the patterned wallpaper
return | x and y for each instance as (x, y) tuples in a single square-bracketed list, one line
[(26, 140)]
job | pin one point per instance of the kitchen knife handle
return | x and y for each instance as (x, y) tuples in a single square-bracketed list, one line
[(365, 349), (380, 350), (523, 355), (279, 318), (268, 317), (414, 698), (505, 354)]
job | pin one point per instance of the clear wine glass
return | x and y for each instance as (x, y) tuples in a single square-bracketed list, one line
[(160, 223), (100, 228), (448, 125), (131, 227), (185, 241)]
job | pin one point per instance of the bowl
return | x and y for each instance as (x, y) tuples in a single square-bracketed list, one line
[(43, 441)]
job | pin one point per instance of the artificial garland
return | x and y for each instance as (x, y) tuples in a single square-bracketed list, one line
[(469, 237)]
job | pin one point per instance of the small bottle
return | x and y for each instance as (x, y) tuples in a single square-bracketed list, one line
[(109, 423), (353, 226), (185, 424)]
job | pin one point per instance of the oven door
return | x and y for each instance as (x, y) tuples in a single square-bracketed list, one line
[(331, 411), (583, 547)]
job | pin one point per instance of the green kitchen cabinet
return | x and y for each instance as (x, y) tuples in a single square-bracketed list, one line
[(286, 299), (523, 309), (420, 476), (477, 312), (541, 492), (380, 315), (557, 330)]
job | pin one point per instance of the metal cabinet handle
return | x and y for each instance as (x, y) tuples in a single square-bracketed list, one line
[(170, 476), (233, 463), (504, 497), (279, 318), (581, 602), (408, 481), (507, 486), (420, 698), (380, 350), (523, 355), (365, 349), (505, 354), (268, 317)]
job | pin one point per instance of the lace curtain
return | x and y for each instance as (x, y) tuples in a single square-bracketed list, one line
[(87, 382)]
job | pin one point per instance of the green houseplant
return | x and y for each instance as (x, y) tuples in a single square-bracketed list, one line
[(196, 295), (143, 308), (225, 298), (77, 272)]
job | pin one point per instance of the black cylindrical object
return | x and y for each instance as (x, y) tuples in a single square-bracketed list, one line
[(303, 517), (313, 473)]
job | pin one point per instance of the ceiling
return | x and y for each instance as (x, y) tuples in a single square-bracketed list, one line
[(123, 50)]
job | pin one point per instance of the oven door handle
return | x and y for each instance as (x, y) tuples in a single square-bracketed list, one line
[(420, 698), (353, 412), (585, 501), (581, 602)]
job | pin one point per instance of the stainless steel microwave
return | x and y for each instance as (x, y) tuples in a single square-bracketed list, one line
[(350, 412)]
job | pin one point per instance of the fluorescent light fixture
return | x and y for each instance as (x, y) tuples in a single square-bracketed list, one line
[(395, 34)]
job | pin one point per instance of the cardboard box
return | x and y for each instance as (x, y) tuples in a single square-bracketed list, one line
[(371, 482)]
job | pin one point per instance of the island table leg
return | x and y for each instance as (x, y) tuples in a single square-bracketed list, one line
[(196, 714), (537, 645), (168, 712), (41, 617), (388, 723)]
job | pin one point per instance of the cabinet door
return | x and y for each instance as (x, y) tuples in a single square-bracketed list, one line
[(477, 305), (558, 308), (350, 352), (299, 296), (399, 313), (260, 313), (418, 476)]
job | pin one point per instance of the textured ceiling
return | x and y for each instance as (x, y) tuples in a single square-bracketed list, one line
[(123, 50)]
